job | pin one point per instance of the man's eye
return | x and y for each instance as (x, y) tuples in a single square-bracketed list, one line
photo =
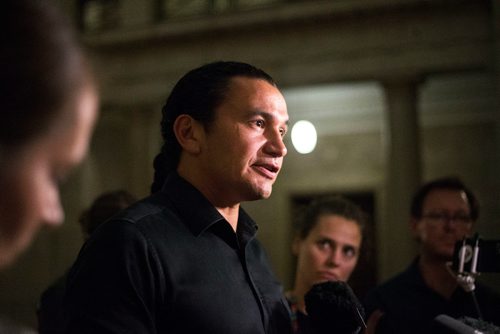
[(260, 123), (282, 132)]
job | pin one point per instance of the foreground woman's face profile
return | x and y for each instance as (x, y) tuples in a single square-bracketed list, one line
[(30, 176)]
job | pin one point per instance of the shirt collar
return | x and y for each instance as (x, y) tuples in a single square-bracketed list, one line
[(195, 210), (413, 271)]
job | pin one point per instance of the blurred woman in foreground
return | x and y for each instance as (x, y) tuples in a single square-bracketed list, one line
[(48, 104)]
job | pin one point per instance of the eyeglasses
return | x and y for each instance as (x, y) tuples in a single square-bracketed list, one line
[(443, 217)]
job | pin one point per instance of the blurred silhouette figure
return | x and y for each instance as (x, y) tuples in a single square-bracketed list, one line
[(443, 211), (50, 309), (48, 109)]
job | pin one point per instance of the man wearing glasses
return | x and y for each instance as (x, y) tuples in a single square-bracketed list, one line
[(443, 212)]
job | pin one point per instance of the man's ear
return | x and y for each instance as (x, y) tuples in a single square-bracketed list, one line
[(188, 132)]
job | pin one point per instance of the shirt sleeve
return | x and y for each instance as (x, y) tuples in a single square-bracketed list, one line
[(115, 284)]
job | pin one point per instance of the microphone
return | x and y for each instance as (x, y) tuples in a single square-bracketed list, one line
[(332, 307), (448, 325), (481, 325)]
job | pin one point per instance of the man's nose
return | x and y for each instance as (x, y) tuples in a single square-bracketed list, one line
[(275, 145)]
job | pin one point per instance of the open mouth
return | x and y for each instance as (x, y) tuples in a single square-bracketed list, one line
[(268, 170)]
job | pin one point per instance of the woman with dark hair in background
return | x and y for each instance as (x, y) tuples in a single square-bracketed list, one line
[(48, 109), (327, 244)]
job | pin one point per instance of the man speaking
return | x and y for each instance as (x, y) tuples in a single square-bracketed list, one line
[(186, 258)]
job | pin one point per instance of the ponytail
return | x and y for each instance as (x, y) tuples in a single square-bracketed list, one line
[(164, 163)]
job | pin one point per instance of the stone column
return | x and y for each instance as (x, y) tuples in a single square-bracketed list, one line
[(496, 165), (403, 174), (145, 143)]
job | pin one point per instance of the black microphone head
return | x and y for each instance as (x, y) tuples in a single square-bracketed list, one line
[(332, 307)]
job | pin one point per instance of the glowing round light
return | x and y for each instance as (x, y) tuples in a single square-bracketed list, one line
[(304, 137)]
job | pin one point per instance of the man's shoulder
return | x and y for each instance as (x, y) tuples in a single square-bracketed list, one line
[(149, 219), (145, 208), (150, 215), (396, 282), (399, 287)]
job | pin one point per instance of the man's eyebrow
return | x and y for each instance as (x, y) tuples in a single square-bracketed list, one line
[(265, 114), (324, 237)]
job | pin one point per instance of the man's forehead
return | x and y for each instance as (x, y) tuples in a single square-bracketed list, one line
[(440, 195), (257, 95)]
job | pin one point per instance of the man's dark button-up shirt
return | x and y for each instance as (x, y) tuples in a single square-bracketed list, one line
[(172, 264)]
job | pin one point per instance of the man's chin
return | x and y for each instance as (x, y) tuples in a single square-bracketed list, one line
[(255, 196), (264, 192), (267, 194), (446, 255)]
